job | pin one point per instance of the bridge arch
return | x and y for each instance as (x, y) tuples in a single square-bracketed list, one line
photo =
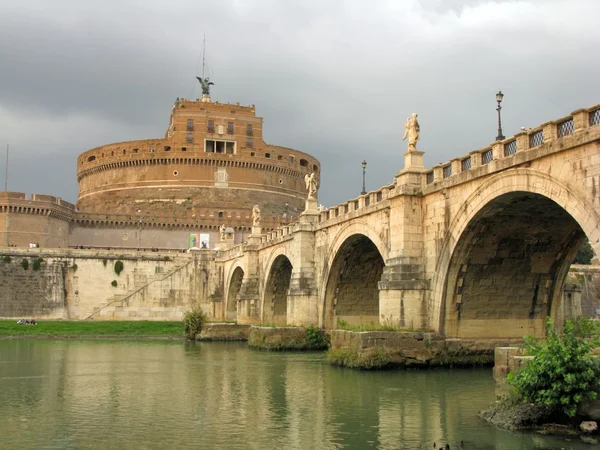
[(275, 292), (506, 254), (236, 276), (350, 285)]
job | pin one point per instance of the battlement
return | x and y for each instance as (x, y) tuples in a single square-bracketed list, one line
[(230, 108), (18, 202)]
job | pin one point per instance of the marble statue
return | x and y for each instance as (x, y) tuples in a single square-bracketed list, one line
[(222, 229), (256, 216), (311, 185), (411, 130)]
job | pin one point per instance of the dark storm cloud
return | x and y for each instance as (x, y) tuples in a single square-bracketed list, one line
[(335, 79)]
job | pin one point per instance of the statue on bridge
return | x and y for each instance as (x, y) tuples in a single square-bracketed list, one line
[(222, 229), (205, 83), (255, 216), (311, 185), (411, 130)]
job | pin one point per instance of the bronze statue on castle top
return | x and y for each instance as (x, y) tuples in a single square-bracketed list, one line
[(205, 83)]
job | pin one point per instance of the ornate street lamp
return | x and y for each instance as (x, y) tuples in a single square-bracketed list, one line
[(499, 97), (364, 166)]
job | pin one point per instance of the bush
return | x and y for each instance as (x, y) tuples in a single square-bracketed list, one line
[(6, 259), (37, 263), (193, 322), (584, 254), (316, 339), (113, 283), (118, 266), (563, 372), (25, 264), (74, 267)]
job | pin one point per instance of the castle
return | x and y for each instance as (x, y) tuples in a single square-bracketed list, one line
[(208, 171)]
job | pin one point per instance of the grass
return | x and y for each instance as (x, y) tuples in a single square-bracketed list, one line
[(343, 325), (99, 328)]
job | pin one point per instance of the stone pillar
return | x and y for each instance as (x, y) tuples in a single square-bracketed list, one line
[(302, 296), (413, 171), (580, 119), (248, 300), (549, 131), (522, 141)]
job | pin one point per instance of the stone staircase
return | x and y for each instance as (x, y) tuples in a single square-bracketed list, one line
[(119, 306)]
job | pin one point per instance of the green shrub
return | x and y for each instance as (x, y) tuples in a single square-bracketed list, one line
[(316, 338), (37, 263), (6, 259), (563, 373), (74, 267), (166, 258), (118, 266), (193, 322), (25, 264), (113, 283), (584, 254)]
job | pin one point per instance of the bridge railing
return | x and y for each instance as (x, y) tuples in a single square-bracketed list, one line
[(359, 203), (524, 140)]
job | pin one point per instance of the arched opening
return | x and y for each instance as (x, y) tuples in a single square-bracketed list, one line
[(352, 294), (276, 289), (506, 272), (234, 289)]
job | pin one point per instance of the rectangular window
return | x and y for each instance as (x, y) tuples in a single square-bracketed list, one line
[(249, 130), (190, 124), (229, 148), (135, 150), (229, 127), (217, 146), (292, 159), (190, 138), (184, 149), (151, 150), (211, 126), (249, 143), (209, 146)]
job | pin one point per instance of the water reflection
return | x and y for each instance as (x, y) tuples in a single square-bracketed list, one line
[(90, 394)]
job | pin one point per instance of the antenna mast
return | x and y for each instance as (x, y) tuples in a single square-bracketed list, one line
[(203, 52)]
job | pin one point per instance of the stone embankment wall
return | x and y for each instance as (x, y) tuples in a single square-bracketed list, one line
[(83, 284)]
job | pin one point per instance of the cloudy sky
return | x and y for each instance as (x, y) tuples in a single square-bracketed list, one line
[(336, 79)]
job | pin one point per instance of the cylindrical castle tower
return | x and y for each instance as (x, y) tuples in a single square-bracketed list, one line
[(212, 164)]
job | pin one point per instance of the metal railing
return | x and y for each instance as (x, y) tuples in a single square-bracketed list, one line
[(594, 117), (565, 128), (487, 157), (465, 164), (510, 148), (536, 139)]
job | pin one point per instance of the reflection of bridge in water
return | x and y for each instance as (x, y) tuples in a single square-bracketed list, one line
[(476, 247)]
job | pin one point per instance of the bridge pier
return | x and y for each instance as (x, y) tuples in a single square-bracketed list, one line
[(248, 298)]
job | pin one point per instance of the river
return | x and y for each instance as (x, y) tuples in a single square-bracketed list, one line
[(78, 394)]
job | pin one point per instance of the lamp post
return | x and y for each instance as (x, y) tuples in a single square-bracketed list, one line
[(499, 97), (364, 166)]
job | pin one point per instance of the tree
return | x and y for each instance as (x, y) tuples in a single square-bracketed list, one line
[(584, 254)]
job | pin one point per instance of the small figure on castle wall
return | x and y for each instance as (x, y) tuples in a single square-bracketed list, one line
[(222, 229), (311, 185), (256, 216), (412, 130), (205, 83)]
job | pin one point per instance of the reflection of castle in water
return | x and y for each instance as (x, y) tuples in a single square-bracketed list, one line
[(211, 167)]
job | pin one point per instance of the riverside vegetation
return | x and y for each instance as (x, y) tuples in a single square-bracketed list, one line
[(9, 328), (562, 374), (288, 338)]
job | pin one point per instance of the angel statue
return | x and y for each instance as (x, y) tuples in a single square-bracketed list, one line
[(311, 184), (256, 216), (411, 130), (205, 83), (222, 229)]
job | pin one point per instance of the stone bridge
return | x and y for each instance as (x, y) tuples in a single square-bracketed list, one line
[(476, 247)]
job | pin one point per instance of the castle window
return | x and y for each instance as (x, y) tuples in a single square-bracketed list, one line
[(124, 151), (304, 163), (112, 153), (252, 153), (267, 155), (220, 214), (91, 158), (167, 148), (151, 150), (229, 127), (292, 159), (209, 146), (315, 168), (184, 149), (229, 148), (190, 138), (249, 130), (211, 126), (219, 147), (279, 157), (249, 143), (190, 124), (136, 150)]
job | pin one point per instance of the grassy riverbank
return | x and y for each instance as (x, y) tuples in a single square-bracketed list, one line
[(64, 328)]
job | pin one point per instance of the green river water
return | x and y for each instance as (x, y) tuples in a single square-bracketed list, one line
[(78, 394)]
